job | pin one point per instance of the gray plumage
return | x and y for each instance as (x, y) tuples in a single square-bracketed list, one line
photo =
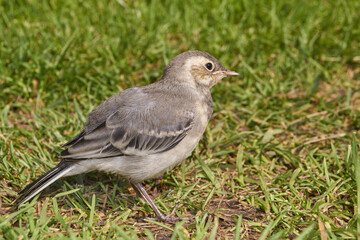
[(142, 132)]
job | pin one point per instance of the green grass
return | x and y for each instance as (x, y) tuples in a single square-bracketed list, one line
[(279, 159)]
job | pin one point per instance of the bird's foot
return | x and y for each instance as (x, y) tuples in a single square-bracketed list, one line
[(169, 218)]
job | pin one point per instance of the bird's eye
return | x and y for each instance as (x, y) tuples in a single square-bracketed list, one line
[(209, 66)]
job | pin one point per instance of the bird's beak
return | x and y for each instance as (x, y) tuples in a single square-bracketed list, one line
[(230, 73), (225, 73)]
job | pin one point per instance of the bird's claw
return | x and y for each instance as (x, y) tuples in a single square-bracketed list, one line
[(169, 218)]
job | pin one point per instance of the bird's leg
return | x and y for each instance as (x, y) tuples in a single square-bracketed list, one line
[(140, 190)]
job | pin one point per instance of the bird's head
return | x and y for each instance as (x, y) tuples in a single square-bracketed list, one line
[(197, 67)]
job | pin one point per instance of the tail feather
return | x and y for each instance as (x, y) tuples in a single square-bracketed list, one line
[(42, 182)]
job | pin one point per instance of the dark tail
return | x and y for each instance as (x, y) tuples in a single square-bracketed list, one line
[(42, 182)]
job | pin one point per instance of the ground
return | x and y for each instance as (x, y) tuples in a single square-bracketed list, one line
[(278, 160)]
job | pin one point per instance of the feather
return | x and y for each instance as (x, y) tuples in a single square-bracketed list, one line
[(42, 182)]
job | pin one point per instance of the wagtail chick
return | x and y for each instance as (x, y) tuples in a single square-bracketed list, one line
[(142, 132)]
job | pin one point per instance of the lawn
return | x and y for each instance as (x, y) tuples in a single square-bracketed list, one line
[(279, 159)]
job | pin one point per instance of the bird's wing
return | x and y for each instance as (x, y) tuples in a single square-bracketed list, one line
[(99, 115), (143, 124)]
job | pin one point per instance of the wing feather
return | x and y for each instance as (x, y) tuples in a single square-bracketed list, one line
[(146, 126)]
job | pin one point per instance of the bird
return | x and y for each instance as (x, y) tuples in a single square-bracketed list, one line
[(142, 132)]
